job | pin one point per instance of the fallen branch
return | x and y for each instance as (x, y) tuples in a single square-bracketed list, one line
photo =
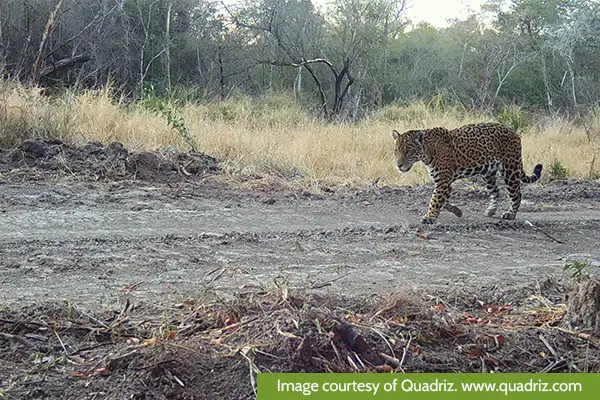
[(65, 63)]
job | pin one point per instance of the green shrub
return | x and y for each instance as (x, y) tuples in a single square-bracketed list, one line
[(558, 171), (513, 116)]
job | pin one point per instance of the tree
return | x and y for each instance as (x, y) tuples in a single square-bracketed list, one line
[(296, 35)]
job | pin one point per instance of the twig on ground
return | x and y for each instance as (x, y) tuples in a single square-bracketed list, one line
[(111, 362), (131, 288), (13, 322), (88, 348), (352, 363), (238, 325), (16, 338), (536, 229), (178, 381), (217, 276), (61, 342), (545, 341), (557, 365), (385, 340), (404, 352), (253, 369), (337, 353), (393, 361), (357, 357), (328, 283)]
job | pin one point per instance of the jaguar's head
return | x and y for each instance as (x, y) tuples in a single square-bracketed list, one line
[(409, 148)]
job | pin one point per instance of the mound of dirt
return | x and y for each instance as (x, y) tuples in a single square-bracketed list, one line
[(47, 158)]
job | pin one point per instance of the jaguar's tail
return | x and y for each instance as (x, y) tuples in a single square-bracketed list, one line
[(537, 172)]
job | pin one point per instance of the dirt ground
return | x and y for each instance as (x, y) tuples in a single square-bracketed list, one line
[(99, 246)]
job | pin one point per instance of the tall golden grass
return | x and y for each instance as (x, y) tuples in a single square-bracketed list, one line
[(274, 137)]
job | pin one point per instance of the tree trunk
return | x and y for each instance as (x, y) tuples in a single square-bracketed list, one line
[(168, 48), (583, 308), (221, 74), (546, 85)]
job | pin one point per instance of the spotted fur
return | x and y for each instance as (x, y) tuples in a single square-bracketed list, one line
[(471, 150)]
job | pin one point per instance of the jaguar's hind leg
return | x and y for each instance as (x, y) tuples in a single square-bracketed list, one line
[(512, 180), (492, 188)]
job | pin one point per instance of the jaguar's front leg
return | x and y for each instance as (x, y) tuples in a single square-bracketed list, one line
[(439, 198)]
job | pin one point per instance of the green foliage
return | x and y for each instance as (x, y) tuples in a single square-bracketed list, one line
[(170, 111), (558, 171), (512, 116), (150, 100), (578, 270)]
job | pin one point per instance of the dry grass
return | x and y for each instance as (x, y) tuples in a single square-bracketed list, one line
[(273, 136)]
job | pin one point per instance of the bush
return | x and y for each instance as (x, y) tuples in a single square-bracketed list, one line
[(512, 116), (558, 171)]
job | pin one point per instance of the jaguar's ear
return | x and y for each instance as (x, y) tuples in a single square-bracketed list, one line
[(395, 134), (419, 137)]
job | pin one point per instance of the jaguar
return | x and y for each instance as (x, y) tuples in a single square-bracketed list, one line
[(482, 149)]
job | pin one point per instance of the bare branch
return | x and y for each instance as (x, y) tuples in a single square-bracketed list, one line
[(37, 66)]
